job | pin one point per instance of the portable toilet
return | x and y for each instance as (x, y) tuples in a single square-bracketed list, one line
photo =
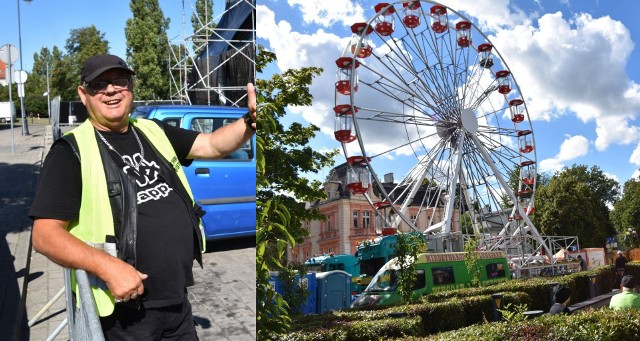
[(309, 281), (333, 290), (310, 305)]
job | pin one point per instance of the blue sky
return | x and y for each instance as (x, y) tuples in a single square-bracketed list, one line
[(575, 61), (47, 23)]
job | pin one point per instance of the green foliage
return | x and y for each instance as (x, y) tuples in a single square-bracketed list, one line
[(202, 23), (281, 190), (287, 148), (601, 324), (513, 312), (471, 260), (272, 310), (383, 328), (408, 247), (466, 223), (626, 214), (82, 44), (575, 203), (148, 49), (295, 286), (451, 313)]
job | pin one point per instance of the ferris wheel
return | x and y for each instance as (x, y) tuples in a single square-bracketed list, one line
[(420, 81)]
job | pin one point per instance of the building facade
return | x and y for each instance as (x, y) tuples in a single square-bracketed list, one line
[(350, 219)]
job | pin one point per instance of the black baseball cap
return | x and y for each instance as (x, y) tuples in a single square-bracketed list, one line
[(96, 65), (629, 281), (561, 294)]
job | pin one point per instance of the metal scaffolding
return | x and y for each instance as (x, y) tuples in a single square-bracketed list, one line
[(213, 65)]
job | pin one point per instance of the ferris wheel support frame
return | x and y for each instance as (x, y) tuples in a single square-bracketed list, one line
[(512, 196)]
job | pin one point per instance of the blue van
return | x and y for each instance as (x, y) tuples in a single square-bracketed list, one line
[(225, 188)]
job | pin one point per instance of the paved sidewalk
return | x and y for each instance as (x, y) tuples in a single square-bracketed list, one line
[(20, 163), (223, 297)]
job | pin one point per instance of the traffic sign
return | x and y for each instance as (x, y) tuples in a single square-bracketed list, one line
[(9, 54), (20, 76)]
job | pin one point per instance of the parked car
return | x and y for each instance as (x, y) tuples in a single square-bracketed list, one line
[(225, 188)]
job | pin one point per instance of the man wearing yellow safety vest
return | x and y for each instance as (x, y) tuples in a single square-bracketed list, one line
[(112, 199)]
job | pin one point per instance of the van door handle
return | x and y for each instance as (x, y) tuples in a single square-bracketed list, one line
[(202, 171)]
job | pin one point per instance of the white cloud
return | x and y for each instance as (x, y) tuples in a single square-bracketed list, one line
[(492, 15), (564, 65), (576, 66), (572, 148), (326, 13), (635, 156)]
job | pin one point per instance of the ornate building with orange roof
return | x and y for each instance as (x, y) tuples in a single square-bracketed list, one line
[(350, 219)]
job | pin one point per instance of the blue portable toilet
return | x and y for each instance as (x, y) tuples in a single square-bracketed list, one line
[(311, 283), (333, 290), (308, 280)]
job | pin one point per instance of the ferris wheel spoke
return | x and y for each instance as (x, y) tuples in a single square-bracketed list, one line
[(434, 70), (394, 87)]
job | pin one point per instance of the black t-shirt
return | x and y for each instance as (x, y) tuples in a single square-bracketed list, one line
[(165, 238)]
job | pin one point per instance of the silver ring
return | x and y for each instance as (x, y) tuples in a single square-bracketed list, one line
[(118, 300), (133, 296)]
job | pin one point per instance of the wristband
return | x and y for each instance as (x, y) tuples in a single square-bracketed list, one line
[(248, 121)]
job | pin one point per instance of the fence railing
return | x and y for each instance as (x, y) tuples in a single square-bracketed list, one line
[(82, 319), (84, 323)]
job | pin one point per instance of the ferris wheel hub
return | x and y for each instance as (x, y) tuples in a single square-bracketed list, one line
[(469, 120)]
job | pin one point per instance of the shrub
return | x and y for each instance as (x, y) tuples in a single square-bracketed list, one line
[(602, 324)]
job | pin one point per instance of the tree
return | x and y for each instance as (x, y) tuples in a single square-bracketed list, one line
[(81, 44), (471, 259), (574, 203), (148, 49), (282, 155), (625, 215), (408, 246), (605, 189), (37, 84), (287, 148), (202, 22)]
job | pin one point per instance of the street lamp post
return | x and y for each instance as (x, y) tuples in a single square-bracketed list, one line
[(48, 93), (25, 127)]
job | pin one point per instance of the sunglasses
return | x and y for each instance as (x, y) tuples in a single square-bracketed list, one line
[(100, 86)]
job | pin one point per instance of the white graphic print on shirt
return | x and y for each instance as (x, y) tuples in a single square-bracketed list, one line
[(146, 175)]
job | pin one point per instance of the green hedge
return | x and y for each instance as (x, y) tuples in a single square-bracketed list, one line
[(601, 324), (447, 311), (360, 330), (541, 288)]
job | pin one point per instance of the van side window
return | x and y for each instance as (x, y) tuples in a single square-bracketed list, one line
[(421, 280), (208, 125), (495, 270), (174, 122), (442, 276)]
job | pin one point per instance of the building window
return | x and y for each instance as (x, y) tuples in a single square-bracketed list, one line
[(329, 225), (414, 218), (366, 220), (355, 219)]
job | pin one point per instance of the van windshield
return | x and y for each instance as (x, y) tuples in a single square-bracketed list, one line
[(384, 281)]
